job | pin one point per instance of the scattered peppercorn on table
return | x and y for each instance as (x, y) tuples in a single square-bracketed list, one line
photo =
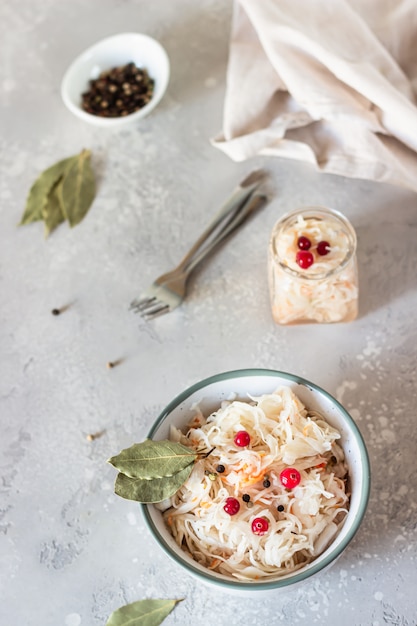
[(81, 376)]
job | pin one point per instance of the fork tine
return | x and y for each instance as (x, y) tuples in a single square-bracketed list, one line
[(155, 311), (142, 303)]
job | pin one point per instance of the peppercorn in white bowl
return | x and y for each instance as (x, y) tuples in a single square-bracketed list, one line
[(249, 510), (117, 81)]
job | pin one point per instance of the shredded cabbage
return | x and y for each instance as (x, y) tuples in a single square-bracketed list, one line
[(283, 434), (322, 296)]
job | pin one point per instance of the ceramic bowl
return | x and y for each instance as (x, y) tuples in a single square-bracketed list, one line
[(115, 51), (209, 394)]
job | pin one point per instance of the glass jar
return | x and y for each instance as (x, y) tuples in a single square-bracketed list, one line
[(312, 267)]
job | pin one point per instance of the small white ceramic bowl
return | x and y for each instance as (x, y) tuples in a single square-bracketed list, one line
[(209, 394), (115, 51)]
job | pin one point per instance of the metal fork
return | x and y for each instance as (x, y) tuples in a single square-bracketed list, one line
[(168, 290)]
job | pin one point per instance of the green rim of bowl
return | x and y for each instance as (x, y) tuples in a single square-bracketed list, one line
[(313, 569)]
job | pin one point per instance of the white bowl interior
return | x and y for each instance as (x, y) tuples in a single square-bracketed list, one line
[(115, 51), (209, 395)]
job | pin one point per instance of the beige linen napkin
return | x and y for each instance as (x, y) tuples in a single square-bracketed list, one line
[(330, 82)]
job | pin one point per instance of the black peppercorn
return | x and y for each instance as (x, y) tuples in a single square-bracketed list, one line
[(280, 508), (118, 92), (246, 497), (266, 483), (220, 469)]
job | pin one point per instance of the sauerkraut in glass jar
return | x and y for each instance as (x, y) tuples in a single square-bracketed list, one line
[(312, 267)]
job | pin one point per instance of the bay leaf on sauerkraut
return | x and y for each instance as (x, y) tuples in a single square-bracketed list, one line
[(151, 490), (153, 459)]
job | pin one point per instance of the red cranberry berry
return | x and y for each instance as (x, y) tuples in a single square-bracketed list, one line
[(304, 259), (290, 477), (260, 526), (304, 243), (242, 439), (323, 248), (231, 506)]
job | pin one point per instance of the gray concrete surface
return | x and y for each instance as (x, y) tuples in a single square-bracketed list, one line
[(70, 550)]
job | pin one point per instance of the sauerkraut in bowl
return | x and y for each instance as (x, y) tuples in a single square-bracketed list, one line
[(280, 486)]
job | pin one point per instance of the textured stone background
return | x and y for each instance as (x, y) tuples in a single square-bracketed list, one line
[(71, 551)]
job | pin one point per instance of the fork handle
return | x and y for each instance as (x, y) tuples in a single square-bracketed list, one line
[(224, 216), (246, 208)]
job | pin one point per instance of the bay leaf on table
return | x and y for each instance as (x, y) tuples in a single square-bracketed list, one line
[(151, 490), (38, 193), (153, 459), (142, 613), (52, 212), (78, 188)]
